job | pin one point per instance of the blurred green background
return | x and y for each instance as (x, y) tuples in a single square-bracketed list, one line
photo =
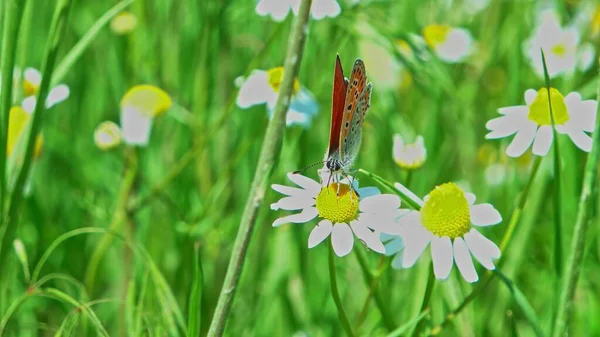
[(203, 153)]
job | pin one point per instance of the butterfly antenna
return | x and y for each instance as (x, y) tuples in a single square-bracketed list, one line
[(309, 166)]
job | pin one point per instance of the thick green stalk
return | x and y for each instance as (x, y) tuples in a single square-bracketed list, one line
[(266, 163), (57, 29), (13, 13), (335, 293), (571, 273)]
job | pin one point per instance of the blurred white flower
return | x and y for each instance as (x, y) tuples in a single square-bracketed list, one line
[(561, 46), (342, 212), (450, 44), (279, 9), (447, 221), (139, 106), (107, 135), (532, 123), (123, 23), (262, 87), (409, 156)]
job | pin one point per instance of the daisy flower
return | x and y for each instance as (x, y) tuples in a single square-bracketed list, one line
[(107, 136), (561, 46), (31, 81), (532, 124), (342, 212), (262, 87), (409, 156), (383, 67), (450, 44), (447, 222), (139, 106), (279, 9), (123, 23)]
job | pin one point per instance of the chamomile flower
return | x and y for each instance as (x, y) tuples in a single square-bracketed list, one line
[(409, 156), (561, 46), (107, 136), (448, 222), (31, 81), (262, 87), (383, 67), (279, 9), (532, 123), (139, 106), (342, 212), (123, 23), (450, 44)]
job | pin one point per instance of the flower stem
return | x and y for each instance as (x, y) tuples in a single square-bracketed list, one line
[(586, 204), (405, 197), (426, 300), (374, 282), (266, 163), (514, 220), (336, 295)]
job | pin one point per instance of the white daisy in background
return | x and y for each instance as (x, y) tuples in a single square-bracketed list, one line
[(123, 23), (532, 124), (450, 44), (343, 214), (409, 156), (139, 106), (107, 136), (279, 9), (561, 46), (31, 81), (384, 68), (494, 163), (262, 87), (447, 222)]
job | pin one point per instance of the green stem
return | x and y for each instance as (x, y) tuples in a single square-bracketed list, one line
[(584, 209), (336, 294), (264, 169), (514, 220), (558, 250), (13, 13), (119, 217), (57, 29), (411, 200), (426, 300), (387, 317), (374, 282)]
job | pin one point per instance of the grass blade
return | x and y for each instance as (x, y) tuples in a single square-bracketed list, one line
[(523, 304), (195, 302)]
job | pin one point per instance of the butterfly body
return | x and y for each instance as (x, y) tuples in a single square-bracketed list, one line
[(350, 102)]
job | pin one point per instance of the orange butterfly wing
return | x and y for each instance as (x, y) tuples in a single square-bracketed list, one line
[(356, 86), (338, 101)]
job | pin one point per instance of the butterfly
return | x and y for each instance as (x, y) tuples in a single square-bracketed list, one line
[(350, 102)]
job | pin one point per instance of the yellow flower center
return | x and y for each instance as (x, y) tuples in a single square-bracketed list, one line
[(446, 212), (559, 50), (404, 47), (17, 121), (596, 21), (275, 76), (435, 35), (148, 99), (337, 203), (539, 110), (30, 89)]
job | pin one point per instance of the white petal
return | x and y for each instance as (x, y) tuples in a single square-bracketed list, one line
[(416, 239), (306, 215), (342, 239), (136, 126), (581, 139), (441, 254), (33, 76), (522, 140), (530, 94), (292, 191), (255, 90), (503, 126), (456, 47), (319, 233), (367, 236), (28, 104), (484, 215), (543, 140), (409, 194), (306, 183), (519, 109), (292, 203), (57, 94), (470, 198), (482, 248), (323, 8), (380, 203), (464, 262)]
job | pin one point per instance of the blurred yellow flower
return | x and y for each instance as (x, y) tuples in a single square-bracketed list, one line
[(17, 121), (32, 78), (596, 21), (138, 107), (123, 23), (107, 135), (409, 156), (451, 45)]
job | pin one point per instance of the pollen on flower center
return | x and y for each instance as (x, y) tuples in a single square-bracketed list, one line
[(337, 203), (435, 35), (539, 110), (446, 212), (30, 89), (559, 50), (275, 76)]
